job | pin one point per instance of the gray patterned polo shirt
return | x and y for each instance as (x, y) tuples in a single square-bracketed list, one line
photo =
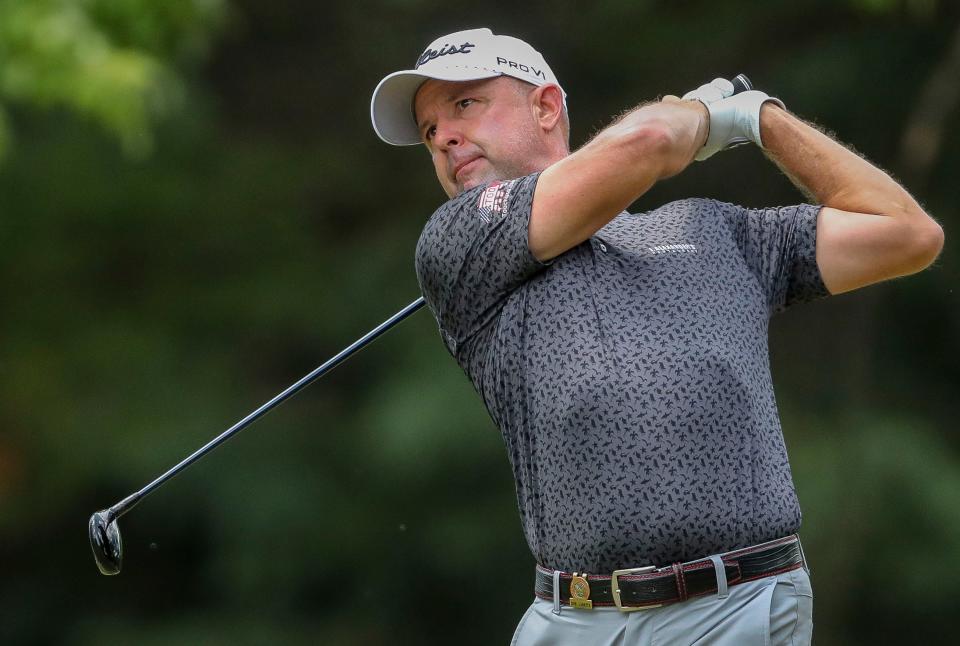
[(630, 376)]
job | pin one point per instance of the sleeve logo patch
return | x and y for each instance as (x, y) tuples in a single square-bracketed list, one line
[(493, 200)]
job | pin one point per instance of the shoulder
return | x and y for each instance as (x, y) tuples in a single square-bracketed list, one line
[(480, 207), (453, 206), (452, 218)]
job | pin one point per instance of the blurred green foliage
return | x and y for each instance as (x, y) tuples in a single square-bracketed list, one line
[(110, 60), (152, 295)]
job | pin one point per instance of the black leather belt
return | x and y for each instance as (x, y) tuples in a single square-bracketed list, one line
[(651, 586)]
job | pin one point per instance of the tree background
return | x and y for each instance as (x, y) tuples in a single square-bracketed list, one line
[(195, 211)]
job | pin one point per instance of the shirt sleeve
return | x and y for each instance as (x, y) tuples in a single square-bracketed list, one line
[(779, 245), (473, 253)]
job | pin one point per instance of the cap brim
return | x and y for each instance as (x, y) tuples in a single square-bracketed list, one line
[(391, 108)]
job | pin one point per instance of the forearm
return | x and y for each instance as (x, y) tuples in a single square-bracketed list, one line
[(829, 172), (579, 194)]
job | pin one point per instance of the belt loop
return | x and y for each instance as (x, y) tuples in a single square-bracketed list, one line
[(556, 592), (681, 582), (721, 570), (803, 557)]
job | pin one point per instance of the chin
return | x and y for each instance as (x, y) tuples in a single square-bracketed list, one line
[(472, 183), (479, 180)]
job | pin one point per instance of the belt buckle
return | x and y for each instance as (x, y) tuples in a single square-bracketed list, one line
[(615, 590)]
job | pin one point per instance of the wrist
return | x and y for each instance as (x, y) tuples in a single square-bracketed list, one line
[(736, 120), (703, 125), (770, 114)]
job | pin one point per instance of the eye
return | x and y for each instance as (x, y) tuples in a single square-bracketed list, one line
[(429, 133), (464, 103)]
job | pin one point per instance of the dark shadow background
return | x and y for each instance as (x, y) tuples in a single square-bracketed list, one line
[(154, 294)]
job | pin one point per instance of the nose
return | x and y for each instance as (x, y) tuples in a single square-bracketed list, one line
[(447, 134)]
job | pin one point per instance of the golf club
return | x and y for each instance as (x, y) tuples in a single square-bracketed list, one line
[(104, 532)]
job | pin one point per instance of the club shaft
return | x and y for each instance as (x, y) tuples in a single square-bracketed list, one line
[(130, 501)]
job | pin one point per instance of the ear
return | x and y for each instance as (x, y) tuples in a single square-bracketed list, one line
[(547, 104)]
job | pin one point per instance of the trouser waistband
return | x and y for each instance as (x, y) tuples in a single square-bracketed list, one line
[(650, 586)]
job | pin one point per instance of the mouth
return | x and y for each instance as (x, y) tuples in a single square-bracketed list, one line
[(464, 165)]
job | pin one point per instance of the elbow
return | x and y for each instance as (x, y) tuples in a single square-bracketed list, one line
[(930, 242), (924, 242), (934, 242)]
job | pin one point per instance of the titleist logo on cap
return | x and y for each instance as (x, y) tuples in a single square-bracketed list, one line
[(430, 54)]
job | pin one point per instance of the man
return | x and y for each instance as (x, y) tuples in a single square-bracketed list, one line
[(624, 357)]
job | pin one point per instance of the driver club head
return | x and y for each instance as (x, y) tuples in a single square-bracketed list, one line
[(105, 542)]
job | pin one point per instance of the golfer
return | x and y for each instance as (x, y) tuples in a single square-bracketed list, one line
[(624, 357)]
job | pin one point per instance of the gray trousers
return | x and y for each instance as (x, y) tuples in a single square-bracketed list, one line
[(771, 611)]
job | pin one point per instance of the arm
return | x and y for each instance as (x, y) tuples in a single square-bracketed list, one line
[(869, 229), (579, 194)]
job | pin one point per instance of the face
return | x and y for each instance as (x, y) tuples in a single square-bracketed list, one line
[(479, 131)]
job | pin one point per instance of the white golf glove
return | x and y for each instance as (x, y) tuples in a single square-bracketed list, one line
[(734, 118), (709, 92)]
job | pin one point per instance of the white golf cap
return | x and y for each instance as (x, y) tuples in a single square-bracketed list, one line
[(462, 56)]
